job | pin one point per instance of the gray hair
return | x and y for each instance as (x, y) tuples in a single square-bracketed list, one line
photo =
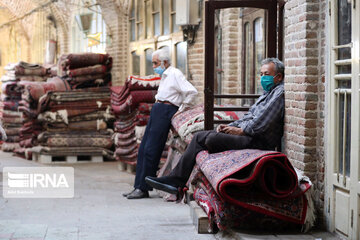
[(162, 55), (279, 65)]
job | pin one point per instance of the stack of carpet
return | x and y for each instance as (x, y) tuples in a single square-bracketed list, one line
[(252, 189), (77, 119), (23, 71), (31, 94), (10, 116), (16, 74), (83, 70), (131, 105)]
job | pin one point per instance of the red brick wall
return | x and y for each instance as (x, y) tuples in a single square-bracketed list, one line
[(196, 62), (304, 89), (230, 52)]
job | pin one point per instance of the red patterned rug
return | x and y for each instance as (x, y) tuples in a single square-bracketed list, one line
[(261, 181)]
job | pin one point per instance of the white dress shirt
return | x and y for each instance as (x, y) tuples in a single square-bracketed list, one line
[(176, 89)]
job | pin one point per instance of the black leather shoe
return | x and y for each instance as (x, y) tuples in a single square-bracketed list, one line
[(167, 183), (137, 194), (128, 193)]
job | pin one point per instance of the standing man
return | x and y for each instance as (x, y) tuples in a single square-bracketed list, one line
[(174, 92), (260, 128)]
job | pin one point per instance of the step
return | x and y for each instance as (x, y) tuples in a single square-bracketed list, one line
[(199, 218)]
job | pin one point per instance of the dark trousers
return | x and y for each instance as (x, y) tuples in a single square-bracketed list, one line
[(213, 142), (153, 143)]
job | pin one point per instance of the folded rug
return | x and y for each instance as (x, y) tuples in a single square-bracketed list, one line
[(12, 131), (77, 139), (73, 151), (135, 83), (127, 151), (129, 159), (13, 138), (23, 68), (150, 82), (9, 105), (81, 125), (124, 142), (12, 119), (224, 215), (32, 78), (5, 97), (133, 100), (91, 70), (78, 60), (81, 60), (10, 89), (88, 80), (10, 114), (123, 136), (188, 122), (120, 100), (261, 181), (11, 125), (61, 116), (8, 77), (32, 91), (122, 129), (28, 112), (94, 141)]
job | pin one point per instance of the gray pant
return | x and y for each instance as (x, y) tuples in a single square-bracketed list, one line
[(211, 141)]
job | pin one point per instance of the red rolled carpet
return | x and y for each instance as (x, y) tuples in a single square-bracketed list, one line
[(261, 181)]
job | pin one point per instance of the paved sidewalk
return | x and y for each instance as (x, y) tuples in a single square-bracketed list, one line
[(99, 212)]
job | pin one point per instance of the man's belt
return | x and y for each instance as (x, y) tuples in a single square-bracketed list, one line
[(165, 102)]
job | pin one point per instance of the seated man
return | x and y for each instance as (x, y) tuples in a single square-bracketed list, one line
[(260, 128)]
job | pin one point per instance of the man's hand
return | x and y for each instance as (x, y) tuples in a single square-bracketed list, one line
[(229, 130), (220, 127)]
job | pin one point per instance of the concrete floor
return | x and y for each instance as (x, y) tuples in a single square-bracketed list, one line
[(99, 212)]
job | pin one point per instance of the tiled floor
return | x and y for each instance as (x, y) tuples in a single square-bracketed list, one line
[(99, 212)]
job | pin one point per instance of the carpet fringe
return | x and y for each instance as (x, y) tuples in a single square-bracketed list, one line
[(310, 212)]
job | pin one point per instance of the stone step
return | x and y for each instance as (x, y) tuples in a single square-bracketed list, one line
[(199, 218)]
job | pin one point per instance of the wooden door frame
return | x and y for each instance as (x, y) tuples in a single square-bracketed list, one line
[(272, 50)]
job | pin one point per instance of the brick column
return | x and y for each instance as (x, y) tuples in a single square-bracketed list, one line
[(63, 22), (304, 89), (196, 62), (230, 59), (116, 19)]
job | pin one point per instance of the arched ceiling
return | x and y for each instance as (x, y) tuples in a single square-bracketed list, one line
[(19, 8), (60, 9)]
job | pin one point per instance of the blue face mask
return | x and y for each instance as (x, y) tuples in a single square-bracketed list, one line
[(267, 82), (159, 70)]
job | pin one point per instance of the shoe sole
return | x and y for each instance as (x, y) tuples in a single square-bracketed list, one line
[(162, 186), (137, 197), (127, 194)]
